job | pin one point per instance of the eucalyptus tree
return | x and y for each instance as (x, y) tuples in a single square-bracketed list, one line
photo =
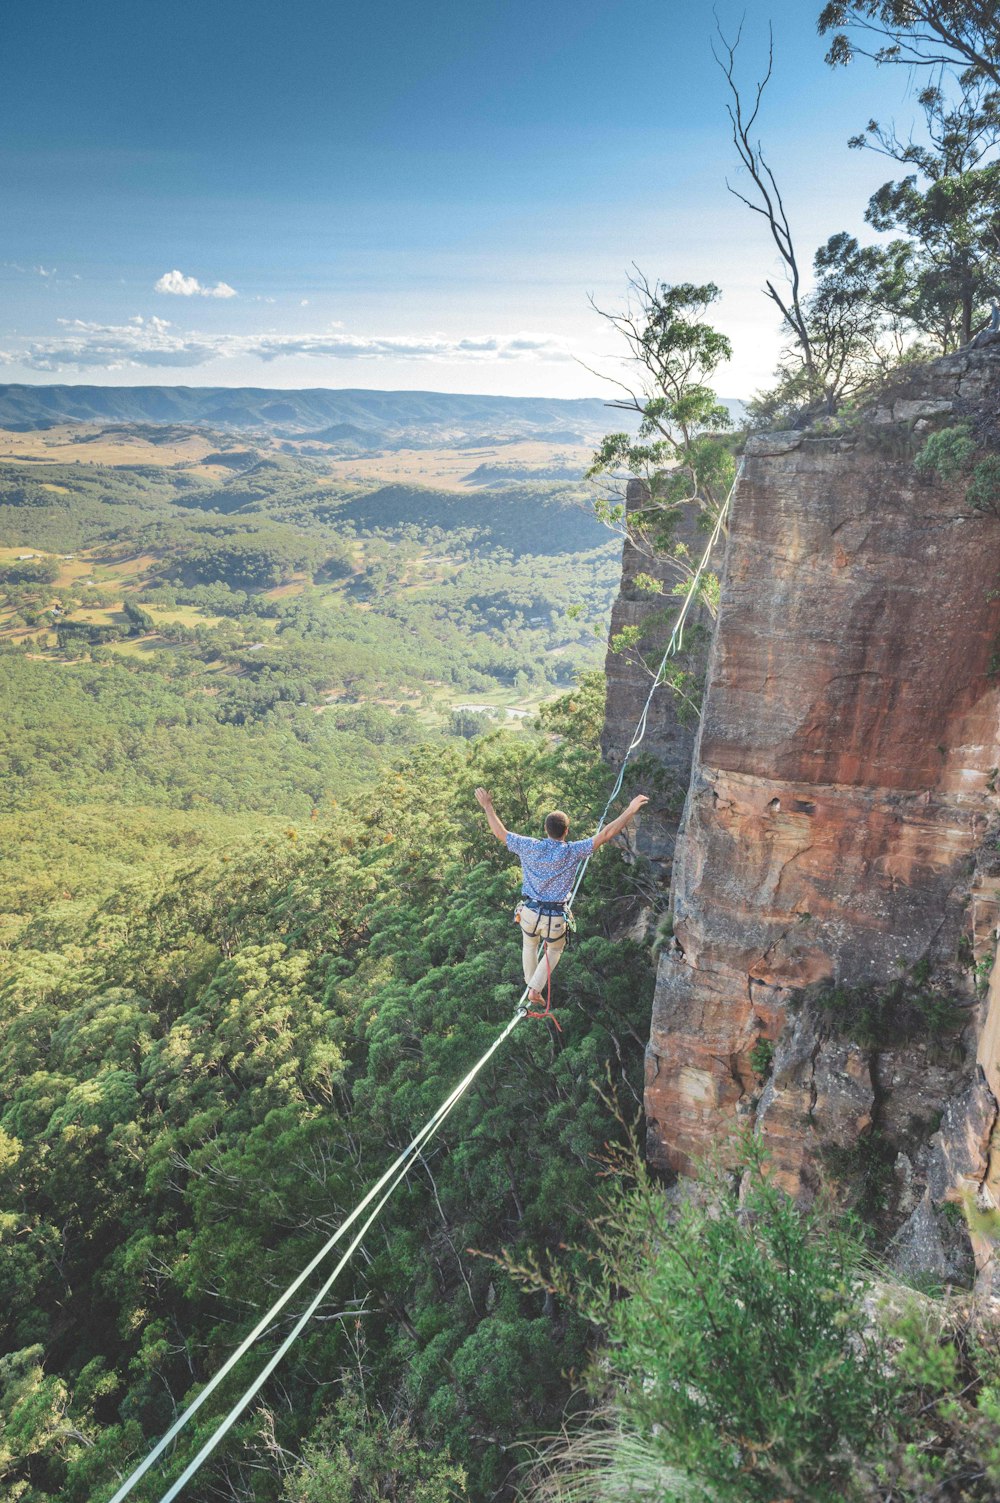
[(962, 34), (948, 205)]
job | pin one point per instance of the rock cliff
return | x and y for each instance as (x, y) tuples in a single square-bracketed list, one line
[(836, 884)]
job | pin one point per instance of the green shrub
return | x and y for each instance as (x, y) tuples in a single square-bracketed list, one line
[(949, 453), (877, 1017), (761, 1056), (946, 453), (865, 1170), (948, 1364), (353, 1455), (737, 1353), (983, 493)]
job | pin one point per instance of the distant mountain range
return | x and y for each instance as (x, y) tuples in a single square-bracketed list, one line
[(359, 418), (356, 419)]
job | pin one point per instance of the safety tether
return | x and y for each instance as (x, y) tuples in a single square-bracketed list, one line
[(673, 647), (400, 1167)]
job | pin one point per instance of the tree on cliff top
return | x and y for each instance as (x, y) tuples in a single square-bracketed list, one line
[(929, 290), (917, 33), (949, 210), (846, 330), (680, 452), (948, 206)]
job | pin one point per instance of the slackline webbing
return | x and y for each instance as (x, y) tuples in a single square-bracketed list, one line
[(400, 1167)]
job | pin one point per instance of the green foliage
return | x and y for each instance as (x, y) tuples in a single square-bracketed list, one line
[(983, 493), (941, 33), (355, 1457), (761, 1056), (750, 1353), (29, 571), (983, 971), (864, 1170), (213, 1066), (685, 460), (763, 1376), (579, 715), (947, 206), (471, 723), (679, 451), (948, 1444), (950, 453), (879, 1017), (629, 636), (184, 687), (946, 453), (737, 1353), (874, 308), (854, 330)]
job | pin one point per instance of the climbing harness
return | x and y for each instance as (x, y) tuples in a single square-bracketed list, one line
[(546, 912), (382, 1191)]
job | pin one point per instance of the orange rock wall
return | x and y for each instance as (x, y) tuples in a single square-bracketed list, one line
[(842, 791)]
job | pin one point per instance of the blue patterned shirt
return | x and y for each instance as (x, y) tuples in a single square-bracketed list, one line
[(548, 866)]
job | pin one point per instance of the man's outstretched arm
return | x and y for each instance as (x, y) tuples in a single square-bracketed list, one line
[(496, 824), (617, 825)]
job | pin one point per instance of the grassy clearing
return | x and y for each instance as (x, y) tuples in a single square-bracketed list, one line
[(181, 615)]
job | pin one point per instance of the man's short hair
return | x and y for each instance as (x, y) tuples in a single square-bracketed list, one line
[(556, 824)]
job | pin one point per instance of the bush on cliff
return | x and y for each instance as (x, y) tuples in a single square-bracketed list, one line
[(738, 1362), (753, 1354)]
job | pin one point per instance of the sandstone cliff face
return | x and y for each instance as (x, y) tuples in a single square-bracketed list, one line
[(841, 827)]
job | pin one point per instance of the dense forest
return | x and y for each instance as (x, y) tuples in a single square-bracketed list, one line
[(202, 1075), (282, 941)]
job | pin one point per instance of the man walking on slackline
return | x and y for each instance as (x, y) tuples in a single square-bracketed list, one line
[(547, 871)]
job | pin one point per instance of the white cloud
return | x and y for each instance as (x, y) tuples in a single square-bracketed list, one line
[(29, 271), (155, 343), (176, 283)]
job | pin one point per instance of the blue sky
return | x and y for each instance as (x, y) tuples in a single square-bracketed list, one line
[(420, 194)]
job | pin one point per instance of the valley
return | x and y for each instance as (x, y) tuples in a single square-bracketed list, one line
[(192, 620)]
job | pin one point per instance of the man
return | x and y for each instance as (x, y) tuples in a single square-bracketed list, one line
[(547, 870)]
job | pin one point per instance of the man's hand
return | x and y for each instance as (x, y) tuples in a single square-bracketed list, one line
[(495, 823), (617, 825)]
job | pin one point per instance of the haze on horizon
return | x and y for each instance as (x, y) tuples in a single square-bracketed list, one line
[(417, 198)]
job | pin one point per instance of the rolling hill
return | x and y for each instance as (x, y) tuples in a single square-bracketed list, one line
[(380, 418)]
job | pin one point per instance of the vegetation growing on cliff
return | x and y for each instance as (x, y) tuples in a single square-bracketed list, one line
[(929, 289), (683, 457), (951, 454), (751, 1352)]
